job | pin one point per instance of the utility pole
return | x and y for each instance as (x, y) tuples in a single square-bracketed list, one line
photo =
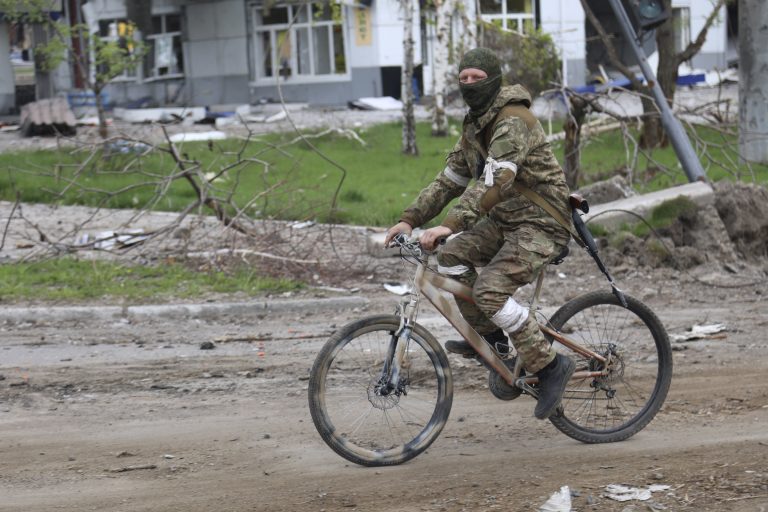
[(680, 142), (753, 74)]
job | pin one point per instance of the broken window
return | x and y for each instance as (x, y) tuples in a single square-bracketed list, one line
[(165, 58), (123, 32), (513, 15), (299, 40)]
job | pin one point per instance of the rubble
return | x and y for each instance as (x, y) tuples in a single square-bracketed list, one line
[(48, 117)]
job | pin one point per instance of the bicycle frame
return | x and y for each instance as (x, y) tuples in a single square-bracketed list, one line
[(429, 284)]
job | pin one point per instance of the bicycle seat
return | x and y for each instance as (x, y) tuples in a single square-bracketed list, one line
[(560, 257)]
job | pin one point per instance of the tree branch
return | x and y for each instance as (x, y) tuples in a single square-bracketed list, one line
[(694, 46)]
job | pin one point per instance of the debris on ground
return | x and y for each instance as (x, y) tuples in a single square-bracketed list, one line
[(207, 345), (108, 240), (380, 103), (619, 492), (698, 332), (48, 117), (133, 468), (397, 289), (560, 501)]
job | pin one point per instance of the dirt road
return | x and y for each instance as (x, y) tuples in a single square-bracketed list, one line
[(125, 416)]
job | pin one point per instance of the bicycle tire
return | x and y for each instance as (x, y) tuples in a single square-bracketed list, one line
[(350, 361), (643, 356)]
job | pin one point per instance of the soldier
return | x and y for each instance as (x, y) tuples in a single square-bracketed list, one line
[(499, 229)]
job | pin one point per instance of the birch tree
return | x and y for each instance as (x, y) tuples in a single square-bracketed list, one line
[(409, 121), (443, 10), (753, 80)]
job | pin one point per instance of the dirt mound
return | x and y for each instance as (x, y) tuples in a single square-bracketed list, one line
[(743, 208)]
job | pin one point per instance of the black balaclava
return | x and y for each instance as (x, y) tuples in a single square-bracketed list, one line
[(480, 95)]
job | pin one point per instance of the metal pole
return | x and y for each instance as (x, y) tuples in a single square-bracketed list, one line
[(680, 142)]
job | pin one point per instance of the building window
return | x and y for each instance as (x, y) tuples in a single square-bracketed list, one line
[(513, 15), (122, 32), (165, 58), (681, 22), (312, 47)]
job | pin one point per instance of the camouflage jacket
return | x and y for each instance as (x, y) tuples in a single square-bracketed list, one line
[(517, 148)]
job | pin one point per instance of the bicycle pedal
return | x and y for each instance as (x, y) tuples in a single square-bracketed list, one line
[(522, 384)]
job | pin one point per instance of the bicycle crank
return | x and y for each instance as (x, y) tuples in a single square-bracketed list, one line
[(499, 386)]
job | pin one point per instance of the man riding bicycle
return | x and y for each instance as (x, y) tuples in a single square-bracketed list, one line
[(503, 148)]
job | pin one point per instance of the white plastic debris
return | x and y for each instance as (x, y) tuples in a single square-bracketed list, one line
[(700, 331), (302, 225), (198, 136), (106, 240), (379, 103), (558, 502), (397, 289), (618, 492)]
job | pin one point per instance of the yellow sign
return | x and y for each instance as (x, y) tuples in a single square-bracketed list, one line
[(363, 35)]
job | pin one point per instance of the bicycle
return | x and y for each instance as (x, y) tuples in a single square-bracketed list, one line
[(381, 389)]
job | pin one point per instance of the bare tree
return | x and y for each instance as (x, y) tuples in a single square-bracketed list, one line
[(669, 61), (753, 80), (409, 121), (440, 66)]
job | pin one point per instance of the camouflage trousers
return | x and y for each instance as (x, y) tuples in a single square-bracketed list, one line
[(509, 259)]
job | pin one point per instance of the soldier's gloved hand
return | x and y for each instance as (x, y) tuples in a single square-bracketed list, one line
[(431, 237), (400, 227)]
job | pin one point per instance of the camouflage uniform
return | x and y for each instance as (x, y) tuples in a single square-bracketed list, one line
[(501, 230)]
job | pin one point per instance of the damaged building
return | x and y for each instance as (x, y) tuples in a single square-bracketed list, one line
[(203, 52)]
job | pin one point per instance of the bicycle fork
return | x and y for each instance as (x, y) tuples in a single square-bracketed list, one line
[(392, 379)]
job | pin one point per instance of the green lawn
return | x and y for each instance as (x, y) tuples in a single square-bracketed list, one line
[(379, 181), (67, 279)]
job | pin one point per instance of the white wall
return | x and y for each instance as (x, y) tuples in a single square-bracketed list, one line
[(217, 40), (388, 31), (7, 81), (564, 20)]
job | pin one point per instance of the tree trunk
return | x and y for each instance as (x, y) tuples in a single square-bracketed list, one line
[(652, 127), (666, 74), (101, 113), (572, 128), (440, 68), (409, 121), (753, 80)]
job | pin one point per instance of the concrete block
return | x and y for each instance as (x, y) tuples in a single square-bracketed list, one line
[(610, 216)]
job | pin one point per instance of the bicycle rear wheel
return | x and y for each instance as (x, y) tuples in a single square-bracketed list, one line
[(362, 425), (619, 404)]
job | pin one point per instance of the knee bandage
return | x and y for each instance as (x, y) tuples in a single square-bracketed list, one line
[(511, 317)]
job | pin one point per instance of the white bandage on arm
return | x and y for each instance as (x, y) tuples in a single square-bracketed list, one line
[(455, 177), (511, 317), (456, 270), (491, 166)]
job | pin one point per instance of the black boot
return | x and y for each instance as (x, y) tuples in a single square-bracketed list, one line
[(497, 340), (552, 381)]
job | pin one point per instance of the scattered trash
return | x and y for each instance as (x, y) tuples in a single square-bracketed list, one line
[(561, 275), (198, 136), (618, 492), (9, 128), (90, 121), (701, 332), (107, 240), (398, 289), (207, 345), (168, 456), (560, 501)]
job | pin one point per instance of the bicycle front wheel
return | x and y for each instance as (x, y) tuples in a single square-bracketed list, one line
[(354, 418), (636, 374)]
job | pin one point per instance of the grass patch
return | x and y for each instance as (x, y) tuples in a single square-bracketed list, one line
[(665, 214), (68, 279), (379, 184), (603, 154)]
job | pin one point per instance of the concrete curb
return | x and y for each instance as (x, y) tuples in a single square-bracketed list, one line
[(175, 311)]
